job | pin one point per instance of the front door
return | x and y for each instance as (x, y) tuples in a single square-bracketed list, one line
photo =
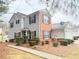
[(24, 36), (29, 34)]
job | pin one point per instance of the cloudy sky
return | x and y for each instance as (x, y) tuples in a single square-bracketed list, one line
[(31, 6)]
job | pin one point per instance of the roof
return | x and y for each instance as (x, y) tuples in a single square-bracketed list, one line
[(59, 25), (43, 10), (63, 25), (18, 13)]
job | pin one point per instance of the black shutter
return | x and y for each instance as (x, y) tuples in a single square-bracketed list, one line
[(34, 33), (29, 20), (34, 18)]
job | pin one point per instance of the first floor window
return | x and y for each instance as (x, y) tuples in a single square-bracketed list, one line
[(17, 34), (46, 34)]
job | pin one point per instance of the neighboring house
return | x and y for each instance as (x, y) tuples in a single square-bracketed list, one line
[(65, 30), (3, 30), (38, 23)]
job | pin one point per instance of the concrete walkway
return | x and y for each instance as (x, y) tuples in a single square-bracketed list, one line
[(39, 53), (76, 42)]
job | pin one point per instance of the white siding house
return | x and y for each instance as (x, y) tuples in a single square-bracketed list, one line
[(21, 23), (65, 30)]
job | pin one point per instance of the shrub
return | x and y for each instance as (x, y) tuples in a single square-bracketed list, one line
[(55, 44), (64, 43), (11, 40), (6, 41), (34, 41), (19, 41), (69, 41), (46, 42), (42, 43), (24, 39), (37, 41)]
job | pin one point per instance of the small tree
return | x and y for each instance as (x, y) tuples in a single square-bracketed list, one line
[(67, 7)]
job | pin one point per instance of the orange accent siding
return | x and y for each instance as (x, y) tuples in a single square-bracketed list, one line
[(44, 27)]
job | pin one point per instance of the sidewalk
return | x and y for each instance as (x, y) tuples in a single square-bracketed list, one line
[(39, 53)]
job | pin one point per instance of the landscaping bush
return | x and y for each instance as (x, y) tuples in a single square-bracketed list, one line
[(37, 41), (69, 41), (55, 44), (11, 40), (64, 43), (46, 42), (19, 41), (34, 41), (42, 43)]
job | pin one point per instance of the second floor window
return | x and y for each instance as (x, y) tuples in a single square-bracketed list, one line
[(46, 19), (17, 21), (11, 25), (32, 19), (46, 35)]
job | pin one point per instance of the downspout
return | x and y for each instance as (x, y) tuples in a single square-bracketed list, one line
[(39, 24)]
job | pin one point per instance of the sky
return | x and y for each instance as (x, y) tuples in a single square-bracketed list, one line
[(34, 5)]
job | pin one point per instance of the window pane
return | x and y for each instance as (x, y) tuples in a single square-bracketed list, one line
[(29, 20), (46, 19), (11, 25), (46, 34), (34, 18)]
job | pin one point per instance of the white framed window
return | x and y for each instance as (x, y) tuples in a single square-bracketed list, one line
[(46, 19), (32, 19), (11, 25), (46, 34)]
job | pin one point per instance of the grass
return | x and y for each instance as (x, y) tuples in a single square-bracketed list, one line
[(19, 54)]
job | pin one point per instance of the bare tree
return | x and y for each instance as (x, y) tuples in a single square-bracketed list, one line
[(4, 6), (69, 7)]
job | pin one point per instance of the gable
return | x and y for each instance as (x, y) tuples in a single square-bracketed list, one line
[(16, 16)]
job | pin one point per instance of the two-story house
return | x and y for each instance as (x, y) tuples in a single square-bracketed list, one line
[(36, 24)]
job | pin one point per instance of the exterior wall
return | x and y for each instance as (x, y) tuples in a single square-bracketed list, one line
[(17, 27), (43, 27), (68, 33), (33, 26), (58, 33), (76, 32), (24, 24)]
